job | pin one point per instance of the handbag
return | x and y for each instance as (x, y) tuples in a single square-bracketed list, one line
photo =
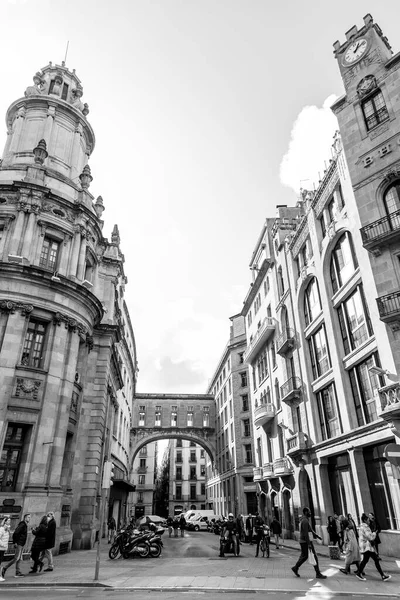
[(311, 558)]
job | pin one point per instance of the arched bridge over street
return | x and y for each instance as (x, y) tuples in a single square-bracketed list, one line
[(179, 416)]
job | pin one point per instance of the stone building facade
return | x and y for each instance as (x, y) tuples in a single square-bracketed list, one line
[(67, 351), (187, 476), (230, 485)]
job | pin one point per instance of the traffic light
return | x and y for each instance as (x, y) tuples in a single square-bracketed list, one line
[(108, 474)]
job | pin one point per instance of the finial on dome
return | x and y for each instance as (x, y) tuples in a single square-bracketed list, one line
[(40, 152), (115, 239), (86, 177), (99, 206)]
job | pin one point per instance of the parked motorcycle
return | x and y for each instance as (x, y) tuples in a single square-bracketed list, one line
[(130, 542), (156, 543), (120, 540)]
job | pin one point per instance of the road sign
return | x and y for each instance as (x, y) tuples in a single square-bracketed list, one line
[(392, 454)]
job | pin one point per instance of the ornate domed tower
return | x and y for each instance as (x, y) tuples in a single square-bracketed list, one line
[(62, 339)]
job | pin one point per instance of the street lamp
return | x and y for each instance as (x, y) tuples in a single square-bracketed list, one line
[(379, 371)]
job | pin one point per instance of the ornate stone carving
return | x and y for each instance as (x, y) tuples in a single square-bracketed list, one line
[(56, 91), (366, 85), (38, 88), (86, 177), (27, 388), (11, 307), (70, 323), (40, 152)]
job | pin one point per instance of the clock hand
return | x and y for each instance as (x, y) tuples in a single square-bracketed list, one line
[(356, 48)]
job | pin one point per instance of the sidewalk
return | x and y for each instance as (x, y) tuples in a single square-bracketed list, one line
[(210, 573)]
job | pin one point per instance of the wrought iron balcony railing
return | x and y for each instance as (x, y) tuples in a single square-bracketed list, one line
[(389, 306), (291, 390), (381, 230), (285, 341)]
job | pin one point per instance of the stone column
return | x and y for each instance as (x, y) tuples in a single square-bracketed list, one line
[(7, 224), (51, 113), (75, 152), (82, 257), (63, 378), (75, 252), (361, 485), (17, 233), (324, 489), (28, 237), (16, 134), (62, 267)]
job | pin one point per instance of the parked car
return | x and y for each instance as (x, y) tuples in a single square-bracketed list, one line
[(159, 521)]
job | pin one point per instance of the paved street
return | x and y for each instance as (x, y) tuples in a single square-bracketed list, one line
[(192, 565)]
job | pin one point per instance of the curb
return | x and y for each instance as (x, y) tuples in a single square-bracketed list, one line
[(183, 589)]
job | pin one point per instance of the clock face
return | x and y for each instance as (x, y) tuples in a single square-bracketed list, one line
[(355, 51)]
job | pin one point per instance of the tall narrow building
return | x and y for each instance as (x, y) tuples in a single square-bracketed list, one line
[(67, 350)]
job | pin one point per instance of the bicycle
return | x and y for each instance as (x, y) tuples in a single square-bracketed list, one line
[(264, 544)]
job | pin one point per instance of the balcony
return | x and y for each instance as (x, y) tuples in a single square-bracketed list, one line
[(285, 341), (141, 470), (264, 414), (389, 307), (282, 467), (291, 391), (257, 473), (296, 444), (262, 335), (268, 470), (381, 232), (389, 401)]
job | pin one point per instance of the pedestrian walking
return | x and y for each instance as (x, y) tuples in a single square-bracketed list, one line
[(258, 527), (351, 549), (111, 526), (19, 540), (375, 528), (182, 525), (332, 531), (170, 522), (307, 546), (276, 530), (39, 544), (249, 529), (239, 528), (175, 526), (366, 537), (50, 541), (354, 524), (4, 537)]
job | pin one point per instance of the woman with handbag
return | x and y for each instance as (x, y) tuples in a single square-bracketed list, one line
[(39, 544), (351, 549)]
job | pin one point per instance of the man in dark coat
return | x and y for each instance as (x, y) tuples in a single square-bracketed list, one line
[(19, 538), (50, 541)]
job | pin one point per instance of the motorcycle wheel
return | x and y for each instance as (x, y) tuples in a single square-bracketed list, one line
[(114, 551), (143, 550), (155, 550)]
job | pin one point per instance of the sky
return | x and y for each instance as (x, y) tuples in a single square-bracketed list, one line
[(207, 115)]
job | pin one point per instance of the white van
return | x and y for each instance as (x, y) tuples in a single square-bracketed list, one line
[(200, 521)]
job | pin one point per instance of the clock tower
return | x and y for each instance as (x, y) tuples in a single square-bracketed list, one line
[(369, 122)]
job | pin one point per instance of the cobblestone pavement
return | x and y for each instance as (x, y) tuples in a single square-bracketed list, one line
[(212, 573)]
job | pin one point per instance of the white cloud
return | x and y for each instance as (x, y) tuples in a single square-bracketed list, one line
[(309, 146)]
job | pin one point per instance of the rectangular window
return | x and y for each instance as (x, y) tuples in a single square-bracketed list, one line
[(246, 427), (202, 454), (374, 110), (193, 473), (248, 453), (141, 479), (32, 354), (179, 443), (241, 357), (245, 402), (140, 497), (323, 226), (193, 492), (179, 456), (178, 494), (157, 421), (190, 419), (328, 413), (142, 463), (262, 366), (64, 94), (178, 474), (203, 489), (10, 457), (319, 353), (202, 470), (243, 379), (174, 419), (193, 457), (364, 385), (354, 321), (49, 254)]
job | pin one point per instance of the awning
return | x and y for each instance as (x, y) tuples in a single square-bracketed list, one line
[(124, 484)]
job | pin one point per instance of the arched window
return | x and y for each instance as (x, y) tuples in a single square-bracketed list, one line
[(268, 396), (391, 199), (343, 262), (312, 302), (277, 396), (374, 110), (281, 283)]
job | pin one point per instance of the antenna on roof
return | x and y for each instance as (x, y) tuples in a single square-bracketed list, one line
[(66, 52)]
